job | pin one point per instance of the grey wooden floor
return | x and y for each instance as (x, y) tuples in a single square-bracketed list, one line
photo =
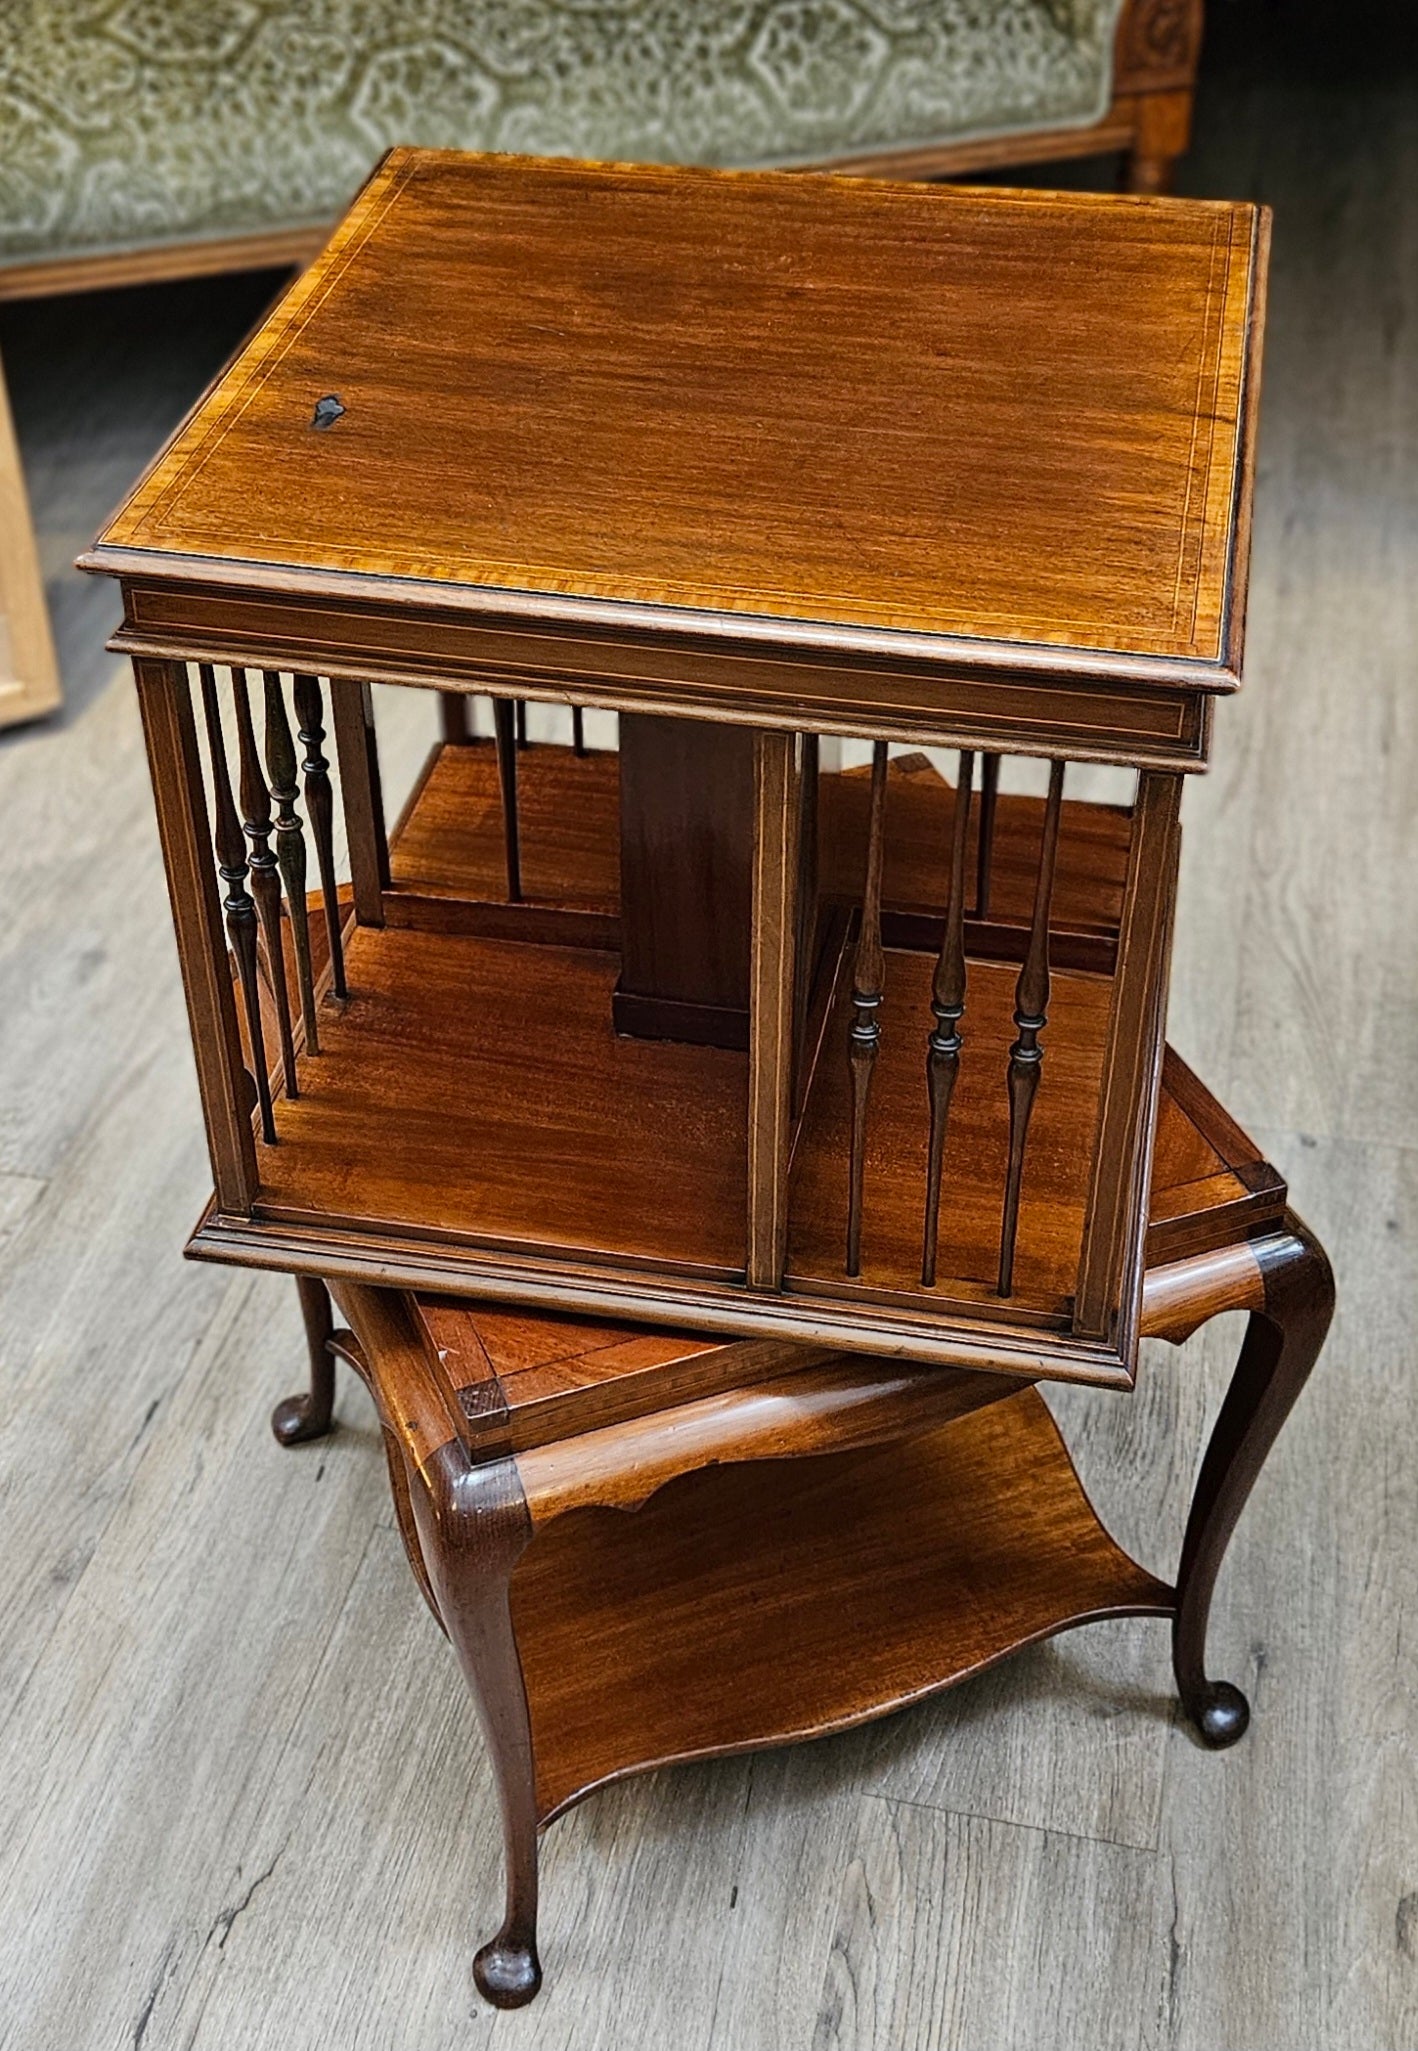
[(242, 1802)]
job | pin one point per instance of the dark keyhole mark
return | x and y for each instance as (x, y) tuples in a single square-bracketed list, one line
[(327, 411)]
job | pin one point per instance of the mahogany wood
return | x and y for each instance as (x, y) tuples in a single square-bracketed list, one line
[(978, 1487), (1031, 1004), (539, 925), (776, 942), (311, 1414), (265, 879), (450, 841), (290, 849), (984, 856), (352, 712), (1206, 1173), (240, 911), (686, 879), (1283, 1340), (1203, 1188), (948, 1006), (1117, 562), (868, 980), (472, 1526), (1089, 878), (524, 230), (1132, 1064), (454, 719), (1050, 704), (227, 1091), (830, 1408), (638, 1644), (508, 742), (1095, 538), (560, 1378), (320, 810), (975, 1157), (741, 1606), (1180, 1297)]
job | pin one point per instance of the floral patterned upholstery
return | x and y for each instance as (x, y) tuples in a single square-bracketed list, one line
[(129, 122)]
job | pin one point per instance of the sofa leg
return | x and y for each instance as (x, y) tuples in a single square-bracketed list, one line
[(473, 1526), (312, 1414), (1281, 1345), (1146, 172), (1161, 136)]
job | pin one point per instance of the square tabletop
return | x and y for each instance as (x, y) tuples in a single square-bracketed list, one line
[(1010, 428)]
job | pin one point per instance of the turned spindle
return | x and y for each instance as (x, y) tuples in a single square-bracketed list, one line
[(868, 978), (320, 805), (984, 856), (578, 730), (265, 876), (1031, 1009), (948, 1003), (281, 767), (505, 731), (230, 844)]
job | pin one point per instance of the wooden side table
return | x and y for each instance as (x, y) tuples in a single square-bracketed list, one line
[(864, 1071)]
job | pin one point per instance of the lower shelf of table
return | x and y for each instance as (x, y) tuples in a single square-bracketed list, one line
[(750, 1605)]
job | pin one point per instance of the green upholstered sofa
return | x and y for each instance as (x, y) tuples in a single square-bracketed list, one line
[(152, 138), (133, 125)]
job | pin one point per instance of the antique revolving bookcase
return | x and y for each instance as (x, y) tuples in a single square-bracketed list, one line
[(661, 1115)]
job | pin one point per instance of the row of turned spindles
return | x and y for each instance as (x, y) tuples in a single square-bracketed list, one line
[(948, 1003), (257, 875)]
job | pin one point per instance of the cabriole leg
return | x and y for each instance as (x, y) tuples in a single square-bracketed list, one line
[(1281, 1345), (312, 1414), (473, 1526)]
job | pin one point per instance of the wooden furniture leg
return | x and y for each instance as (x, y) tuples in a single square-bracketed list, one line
[(473, 1526), (311, 1415), (465, 1523), (1282, 1342)]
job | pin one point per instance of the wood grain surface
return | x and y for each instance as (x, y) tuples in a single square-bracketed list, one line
[(980, 1529), (726, 392)]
